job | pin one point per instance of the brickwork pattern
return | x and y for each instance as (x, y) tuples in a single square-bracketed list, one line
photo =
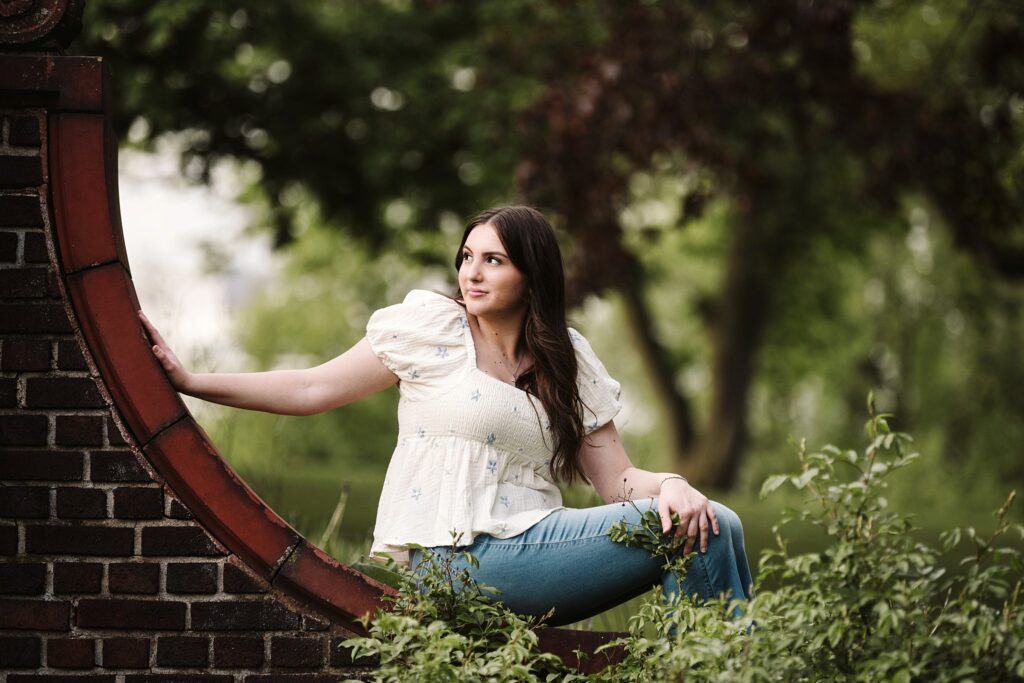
[(104, 575)]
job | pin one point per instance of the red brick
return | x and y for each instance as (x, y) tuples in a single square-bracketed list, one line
[(33, 465), (191, 577), (22, 430), (114, 437), (188, 651), (20, 211), (8, 392), (71, 653), (78, 539), (79, 430), (69, 356), (133, 577), (175, 510), (178, 541), (24, 283), (137, 502), (156, 615), (8, 539), (242, 615), (112, 466), (20, 652), (22, 578), (26, 354), (62, 392), (35, 248), (20, 171), (81, 503), (8, 247), (34, 615), (24, 131), (181, 678), (36, 318), (25, 502), (297, 652), (77, 577), (126, 653), (238, 581), (237, 652)]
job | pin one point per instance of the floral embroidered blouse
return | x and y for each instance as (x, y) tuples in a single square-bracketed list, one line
[(473, 451)]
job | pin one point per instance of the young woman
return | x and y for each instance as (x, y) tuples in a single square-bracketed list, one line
[(499, 400)]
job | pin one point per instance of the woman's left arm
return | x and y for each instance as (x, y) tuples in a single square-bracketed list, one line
[(605, 463)]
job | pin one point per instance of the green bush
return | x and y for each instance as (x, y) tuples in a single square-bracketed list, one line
[(874, 605)]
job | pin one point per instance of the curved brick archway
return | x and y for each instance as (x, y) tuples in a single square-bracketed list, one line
[(126, 542)]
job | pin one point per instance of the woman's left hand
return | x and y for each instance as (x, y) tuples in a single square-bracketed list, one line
[(694, 509)]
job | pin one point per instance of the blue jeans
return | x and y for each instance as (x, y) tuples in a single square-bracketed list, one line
[(567, 561)]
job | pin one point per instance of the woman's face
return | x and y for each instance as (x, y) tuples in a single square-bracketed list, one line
[(491, 285)]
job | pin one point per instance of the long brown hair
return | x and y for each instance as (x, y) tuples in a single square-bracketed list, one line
[(533, 249)]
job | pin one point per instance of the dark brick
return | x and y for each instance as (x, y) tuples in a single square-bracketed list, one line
[(21, 171), (238, 581), (114, 437), (79, 539), (137, 502), (8, 246), (24, 283), (296, 652), (311, 623), (60, 678), (292, 678), (35, 248), (62, 392), (71, 653), (342, 656), (81, 503), (126, 653), (22, 578), (69, 356), (36, 318), (79, 430), (22, 430), (182, 651), (191, 577), (24, 131), (8, 392), (8, 539), (32, 465), (242, 615), (175, 510), (178, 541), (133, 577), (25, 502), (77, 577), (180, 678), (34, 615), (150, 615), (20, 652), (237, 652), (20, 211), (26, 354), (107, 466)]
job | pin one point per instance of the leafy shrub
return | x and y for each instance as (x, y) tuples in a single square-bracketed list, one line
[(874, 605)]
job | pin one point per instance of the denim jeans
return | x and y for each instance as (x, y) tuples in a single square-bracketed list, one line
[(567, 561)]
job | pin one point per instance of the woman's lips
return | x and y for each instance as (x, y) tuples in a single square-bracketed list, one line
[(476, 292)]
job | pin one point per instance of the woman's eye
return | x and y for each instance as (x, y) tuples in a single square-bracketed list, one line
[(494, 259)]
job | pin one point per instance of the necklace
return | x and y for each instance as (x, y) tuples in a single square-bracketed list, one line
[(499, 355)]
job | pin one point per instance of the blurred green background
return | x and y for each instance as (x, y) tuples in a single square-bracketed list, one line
[(767, 209)]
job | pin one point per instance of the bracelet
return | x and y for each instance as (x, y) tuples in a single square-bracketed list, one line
[(674, 476)]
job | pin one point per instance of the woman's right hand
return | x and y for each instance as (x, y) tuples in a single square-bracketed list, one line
[(176, 372)]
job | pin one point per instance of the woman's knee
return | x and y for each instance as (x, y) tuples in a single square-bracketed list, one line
[(728, 521)]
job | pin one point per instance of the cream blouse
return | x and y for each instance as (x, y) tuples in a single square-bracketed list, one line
[(473, 451)]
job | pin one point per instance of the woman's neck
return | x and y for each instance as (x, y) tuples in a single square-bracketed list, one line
[(502, 334)]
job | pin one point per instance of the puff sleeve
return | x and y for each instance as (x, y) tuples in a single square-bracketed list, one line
[(598, 391), (421, 340)]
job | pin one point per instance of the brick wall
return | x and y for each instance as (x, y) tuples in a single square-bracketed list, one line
[(104, 573)]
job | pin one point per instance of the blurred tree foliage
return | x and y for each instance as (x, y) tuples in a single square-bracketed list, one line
[(759, 184)]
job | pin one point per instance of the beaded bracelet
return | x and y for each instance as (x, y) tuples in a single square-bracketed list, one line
[(674, 476)]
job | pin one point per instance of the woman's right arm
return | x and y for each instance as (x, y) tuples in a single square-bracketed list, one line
[(349, 377)]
